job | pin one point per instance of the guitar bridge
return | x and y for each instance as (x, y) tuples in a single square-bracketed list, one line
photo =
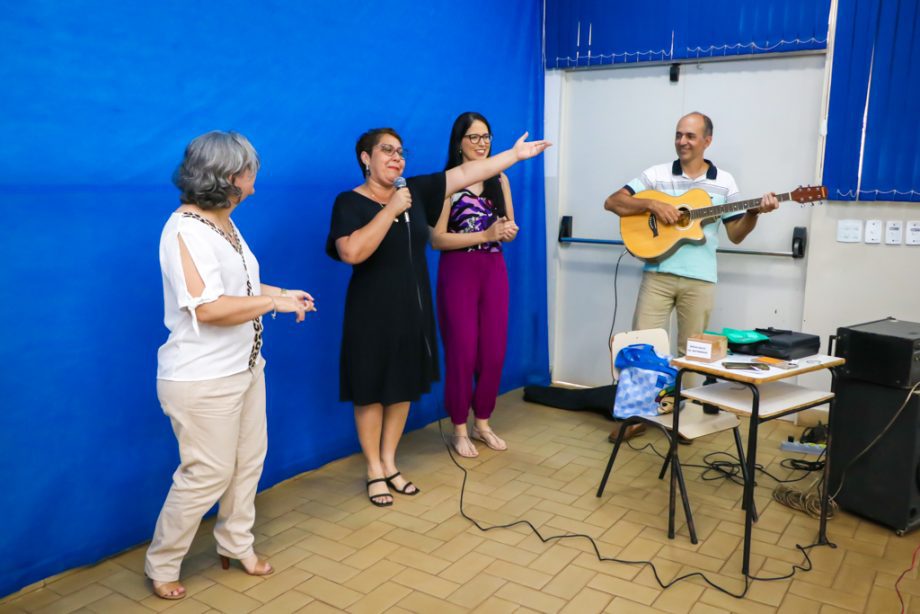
[(653, 225)]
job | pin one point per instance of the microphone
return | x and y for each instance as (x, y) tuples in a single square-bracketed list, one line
[(400, 183)]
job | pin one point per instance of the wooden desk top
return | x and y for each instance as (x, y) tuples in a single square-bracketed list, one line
[(803, 365)]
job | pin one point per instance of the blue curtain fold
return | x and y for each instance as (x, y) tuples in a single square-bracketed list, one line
[(581, 33), (876, 78)]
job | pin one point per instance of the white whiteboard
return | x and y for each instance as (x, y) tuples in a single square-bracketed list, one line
[(611, 124)]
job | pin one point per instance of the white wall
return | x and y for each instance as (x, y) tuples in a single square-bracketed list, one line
[(852, 283), (611, 124)]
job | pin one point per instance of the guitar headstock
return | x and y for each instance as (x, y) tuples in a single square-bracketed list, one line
[(809, 194)]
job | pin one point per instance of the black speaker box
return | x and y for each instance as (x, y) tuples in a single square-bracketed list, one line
[(886, 352), (883, 485)]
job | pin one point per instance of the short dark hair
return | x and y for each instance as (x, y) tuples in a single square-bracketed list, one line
[(211, 161), (491, 188), (367, 142), (707, 123)]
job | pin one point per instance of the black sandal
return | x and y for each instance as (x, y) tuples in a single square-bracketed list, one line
[(383, 494), (405, 488)]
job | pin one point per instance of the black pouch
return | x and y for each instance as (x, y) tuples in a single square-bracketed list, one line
[(787, 344), (752, 349)]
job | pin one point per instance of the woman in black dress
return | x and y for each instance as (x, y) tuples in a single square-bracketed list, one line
[(389, 355)]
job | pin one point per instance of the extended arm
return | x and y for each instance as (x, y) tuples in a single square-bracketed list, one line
[(475, 171)]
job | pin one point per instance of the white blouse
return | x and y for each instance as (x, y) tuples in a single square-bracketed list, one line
[(195, 350)]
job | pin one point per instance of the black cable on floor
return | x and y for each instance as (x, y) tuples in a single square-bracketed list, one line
[(664, 585), (807, 501), (730, 468)]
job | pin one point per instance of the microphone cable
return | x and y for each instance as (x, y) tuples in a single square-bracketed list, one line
[(616, 275), (806, 565), (401, 184)]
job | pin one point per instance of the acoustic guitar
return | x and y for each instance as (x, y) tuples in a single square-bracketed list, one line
[(648, 239)]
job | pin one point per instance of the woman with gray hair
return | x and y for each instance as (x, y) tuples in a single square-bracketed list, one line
[(210, 371)]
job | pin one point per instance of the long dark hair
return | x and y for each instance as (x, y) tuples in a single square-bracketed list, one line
[(492, 187)]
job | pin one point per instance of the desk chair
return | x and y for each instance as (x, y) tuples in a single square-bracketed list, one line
[(694, 422)]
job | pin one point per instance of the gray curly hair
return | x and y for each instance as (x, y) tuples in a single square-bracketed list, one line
[(211, 161)]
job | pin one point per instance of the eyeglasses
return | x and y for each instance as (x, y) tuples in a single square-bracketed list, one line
[(476, 138), (391, 151)]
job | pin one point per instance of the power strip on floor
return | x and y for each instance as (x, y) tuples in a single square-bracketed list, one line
[(803, 448)]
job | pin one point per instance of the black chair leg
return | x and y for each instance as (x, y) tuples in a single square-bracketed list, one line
[(744, 472), (664, 467), (686, 503), (613, 456)]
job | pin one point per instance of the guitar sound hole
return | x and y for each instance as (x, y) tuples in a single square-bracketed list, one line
[(684, 220)]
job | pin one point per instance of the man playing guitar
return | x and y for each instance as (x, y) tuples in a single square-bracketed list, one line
[(686, 278)]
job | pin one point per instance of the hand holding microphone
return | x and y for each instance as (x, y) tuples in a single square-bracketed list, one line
[(401, 199)]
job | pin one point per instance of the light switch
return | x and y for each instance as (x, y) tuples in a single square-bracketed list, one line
[(849, 231), (873, 231), (893, 231), (913, 233)]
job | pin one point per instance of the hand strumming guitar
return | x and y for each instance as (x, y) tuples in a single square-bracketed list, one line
[(667, 214)]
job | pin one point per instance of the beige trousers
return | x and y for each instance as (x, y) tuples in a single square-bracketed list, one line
[(661, 293), (220, 425)]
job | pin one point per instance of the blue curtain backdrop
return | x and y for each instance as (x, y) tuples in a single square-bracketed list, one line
[(99, 100), (581, 33), (876, 76)]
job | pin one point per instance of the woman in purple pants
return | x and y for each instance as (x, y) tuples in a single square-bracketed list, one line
[(473, 288)]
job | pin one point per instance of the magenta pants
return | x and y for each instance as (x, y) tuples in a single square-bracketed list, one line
[(473, 317)]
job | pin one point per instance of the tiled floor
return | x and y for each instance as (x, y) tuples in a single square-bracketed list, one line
[(333, 551)]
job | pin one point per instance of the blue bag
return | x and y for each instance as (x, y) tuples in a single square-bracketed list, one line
[(643, 374)]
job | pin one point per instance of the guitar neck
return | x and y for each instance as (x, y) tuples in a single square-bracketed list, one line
[(742, 205)]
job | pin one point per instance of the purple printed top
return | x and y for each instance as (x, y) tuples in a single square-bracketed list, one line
[(471, 213)]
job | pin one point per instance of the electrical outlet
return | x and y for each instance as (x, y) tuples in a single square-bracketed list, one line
[(849, 231), (873, 231), (913, 233), (893, 231)]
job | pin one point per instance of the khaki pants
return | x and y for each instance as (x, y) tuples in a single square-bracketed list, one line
[(220, 425), (661, 293)]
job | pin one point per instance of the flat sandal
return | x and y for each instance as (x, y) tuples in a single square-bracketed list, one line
[(405, 489), (455, 439), (485, 435), (377, 496)]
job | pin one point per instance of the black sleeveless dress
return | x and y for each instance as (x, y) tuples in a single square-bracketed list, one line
[(389, 341)]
